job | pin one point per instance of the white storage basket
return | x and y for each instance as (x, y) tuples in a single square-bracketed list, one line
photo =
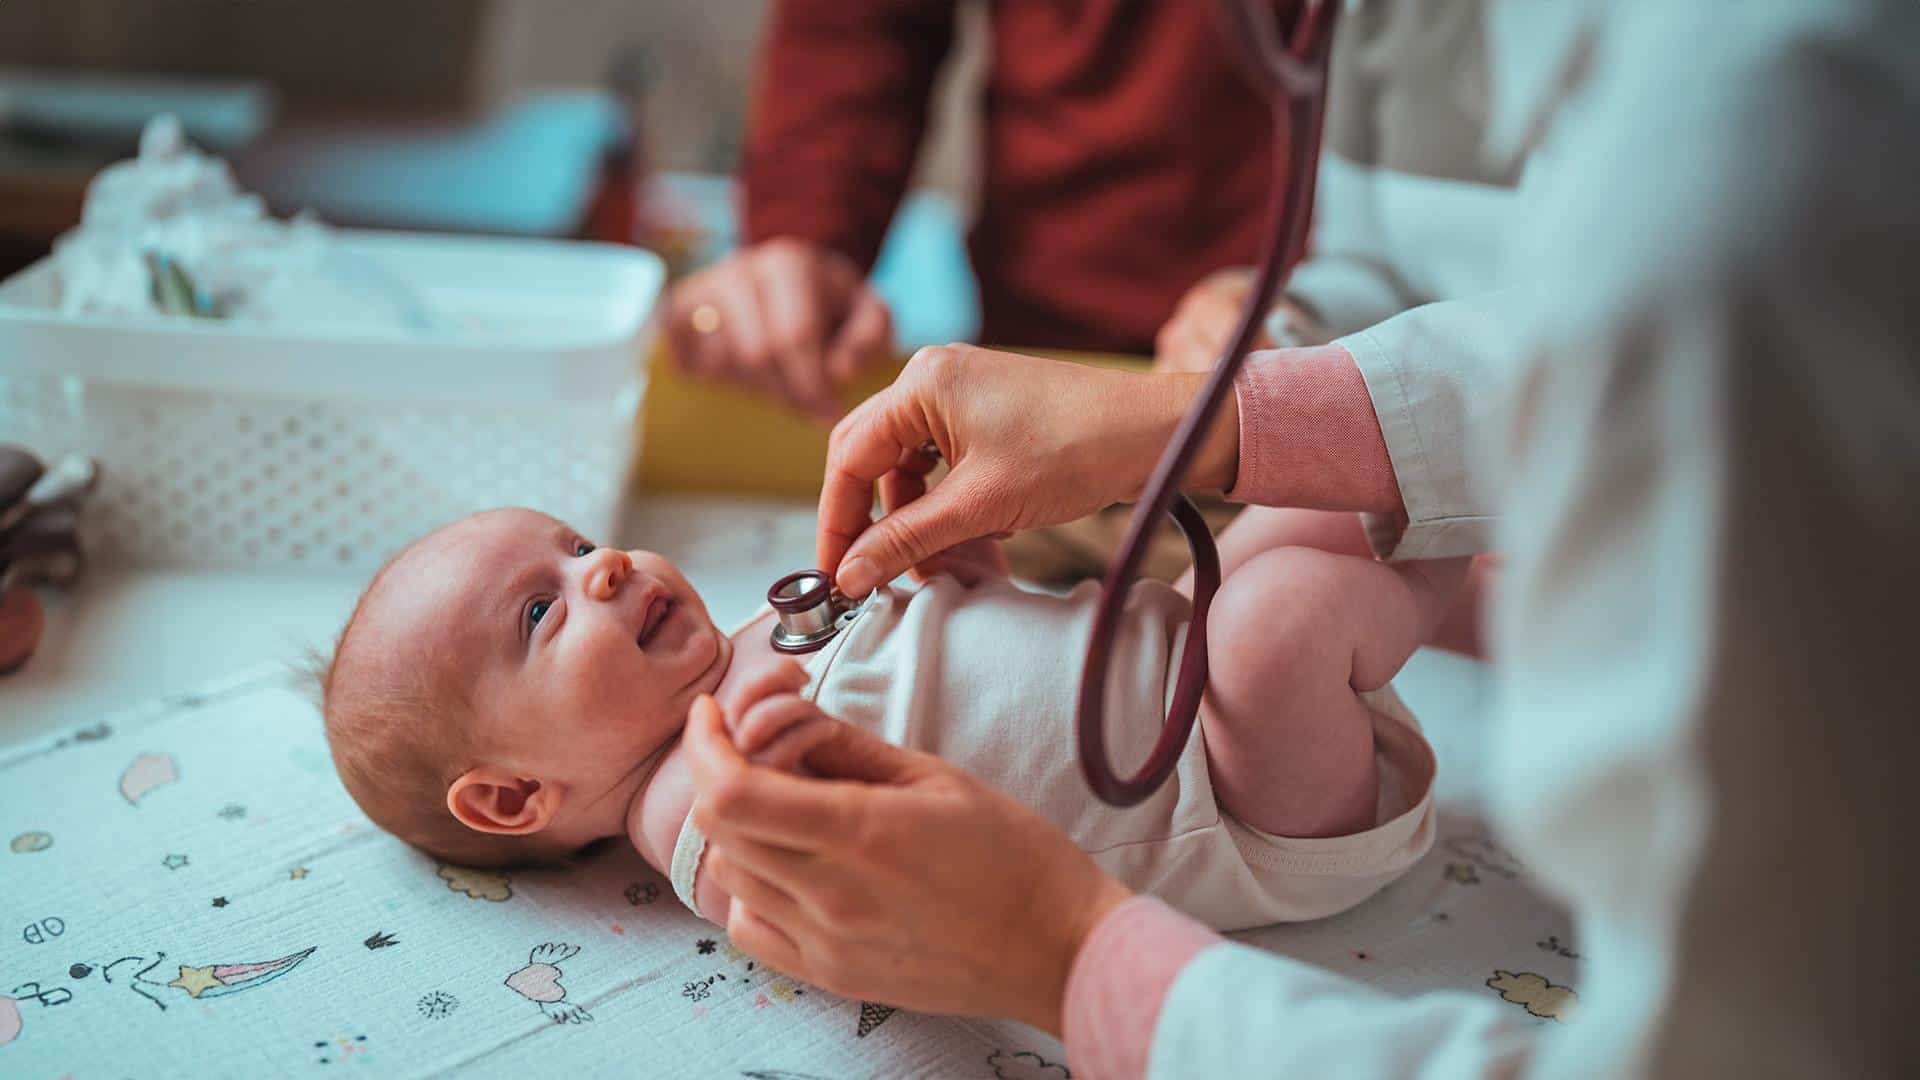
[(226, 444)]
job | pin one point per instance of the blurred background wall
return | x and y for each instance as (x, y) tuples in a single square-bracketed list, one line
[(350, 82)]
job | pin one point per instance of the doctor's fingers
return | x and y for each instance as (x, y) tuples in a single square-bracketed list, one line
[(901, 486), (809, 899), (867, 444), (772, 881), (966, 505), (778, 732), (739, 801), (754, 935), (744, 885)]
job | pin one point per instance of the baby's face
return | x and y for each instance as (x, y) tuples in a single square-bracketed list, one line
[(581, 661)]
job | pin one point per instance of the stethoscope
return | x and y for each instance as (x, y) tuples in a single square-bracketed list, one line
[(809, 611)]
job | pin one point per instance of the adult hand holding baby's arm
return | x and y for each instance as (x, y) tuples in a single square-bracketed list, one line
[(893, 876), (772, 726)]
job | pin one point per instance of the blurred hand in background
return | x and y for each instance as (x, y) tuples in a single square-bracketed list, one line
[(1202, 326), (788, 318)]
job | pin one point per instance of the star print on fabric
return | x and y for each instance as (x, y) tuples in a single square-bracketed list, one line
[(706, 946), (195, 980), (219, 901), (174, 862), (298, 873)]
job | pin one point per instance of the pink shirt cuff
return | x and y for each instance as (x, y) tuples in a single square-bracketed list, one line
[(1119, 981), (1309, 436)]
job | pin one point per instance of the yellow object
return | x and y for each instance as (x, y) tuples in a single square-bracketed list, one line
[(711, 437)]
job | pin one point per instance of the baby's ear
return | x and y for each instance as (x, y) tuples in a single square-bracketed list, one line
[(490, 800)]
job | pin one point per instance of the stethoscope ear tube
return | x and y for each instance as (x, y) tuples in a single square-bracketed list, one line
[(1297, 74)]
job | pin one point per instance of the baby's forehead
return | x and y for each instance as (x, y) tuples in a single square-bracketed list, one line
[(448, 575), (492, 537)]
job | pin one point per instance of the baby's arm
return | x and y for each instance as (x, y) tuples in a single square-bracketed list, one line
[(655, 831), (971, 562)]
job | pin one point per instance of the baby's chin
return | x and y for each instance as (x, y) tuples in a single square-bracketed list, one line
[(715, 670)]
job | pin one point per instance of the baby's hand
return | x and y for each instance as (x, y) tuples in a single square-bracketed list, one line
[(771, 724)]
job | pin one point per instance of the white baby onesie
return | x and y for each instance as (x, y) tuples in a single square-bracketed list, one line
[(986, 678)]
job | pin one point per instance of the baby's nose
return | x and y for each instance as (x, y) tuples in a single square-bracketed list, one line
[(607, 570)]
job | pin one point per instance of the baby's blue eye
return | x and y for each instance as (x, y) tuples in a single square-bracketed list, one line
[(538, 611), (582, 549)]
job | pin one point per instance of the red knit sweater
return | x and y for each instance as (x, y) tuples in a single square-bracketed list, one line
[(1125, 154)]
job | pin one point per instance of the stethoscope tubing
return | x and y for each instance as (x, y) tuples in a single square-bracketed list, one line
[(1296, 72)]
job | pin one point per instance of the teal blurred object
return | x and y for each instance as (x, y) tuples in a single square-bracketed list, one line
[(529, 169), (924, 274), (111, 109)]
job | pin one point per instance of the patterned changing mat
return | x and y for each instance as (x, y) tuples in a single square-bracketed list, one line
[(186, 890)]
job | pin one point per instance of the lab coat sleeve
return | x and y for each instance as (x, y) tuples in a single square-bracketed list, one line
[(1428, 373), (1380, 422), (1154, 993), (837, 112), (1238, 1011)]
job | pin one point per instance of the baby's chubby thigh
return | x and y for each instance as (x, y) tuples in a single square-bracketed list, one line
[(1289, 742)]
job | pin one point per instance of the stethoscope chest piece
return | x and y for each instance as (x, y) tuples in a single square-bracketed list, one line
[(808, 610)]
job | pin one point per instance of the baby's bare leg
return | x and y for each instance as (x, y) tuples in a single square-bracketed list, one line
[(1293, 637), (1263, 528), (1260, 529)]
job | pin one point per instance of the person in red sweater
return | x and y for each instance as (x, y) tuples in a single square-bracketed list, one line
[(1125, 157)]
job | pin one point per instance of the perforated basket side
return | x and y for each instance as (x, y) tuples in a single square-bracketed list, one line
[(196, 477)]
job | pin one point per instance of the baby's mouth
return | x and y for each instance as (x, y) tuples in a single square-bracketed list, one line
[(658, 608)]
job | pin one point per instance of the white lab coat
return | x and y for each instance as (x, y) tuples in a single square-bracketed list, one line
[(1706, 462)]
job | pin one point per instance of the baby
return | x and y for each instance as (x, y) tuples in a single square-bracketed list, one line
[(506, 691)]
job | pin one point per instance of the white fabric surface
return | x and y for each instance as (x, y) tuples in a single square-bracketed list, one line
[(638, 996), (210, 828)]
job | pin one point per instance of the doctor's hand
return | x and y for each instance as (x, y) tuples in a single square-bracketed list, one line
[(896, 877), (786, 317), (1030, 442)]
